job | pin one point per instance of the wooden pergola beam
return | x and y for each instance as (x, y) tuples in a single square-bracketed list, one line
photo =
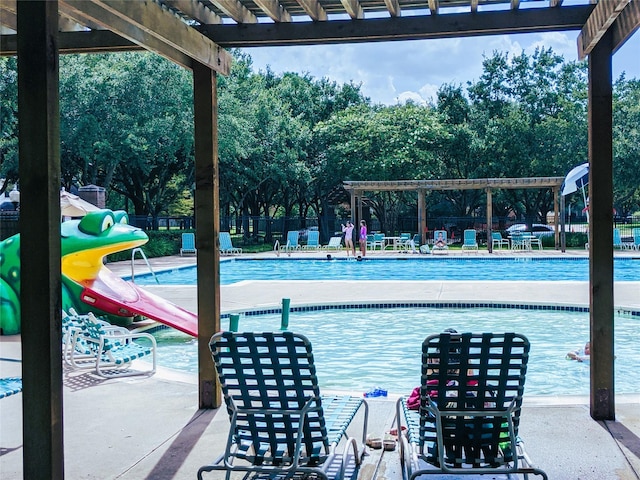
[(196, 10), (353, 8), (455, 184), (598, 23), (152, 27), (393, 6), (274, 10), (93, 41), (313, 8), (236, 10), (454, 25), (625, 25)]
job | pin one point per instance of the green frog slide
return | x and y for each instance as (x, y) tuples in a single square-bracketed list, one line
[(87, 284)]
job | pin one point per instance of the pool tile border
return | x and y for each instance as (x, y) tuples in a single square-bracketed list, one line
[(423, 304)]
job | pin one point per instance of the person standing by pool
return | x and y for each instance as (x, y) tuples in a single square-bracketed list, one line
[(363, 237), (348, 237)]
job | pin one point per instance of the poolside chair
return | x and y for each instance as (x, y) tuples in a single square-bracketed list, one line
[(188, 244), (469, 241), (405, 242), (535, 241), (75, 350), (635, 232), (377, 241), (280, 424), (10, 386), (111, 352), (440, 242), (617, 239), (313, 240), (292, 242), (498, 242), (226, 245), (335, 243), (469, 410)]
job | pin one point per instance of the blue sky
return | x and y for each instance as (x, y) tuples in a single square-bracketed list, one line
[(395, 71)]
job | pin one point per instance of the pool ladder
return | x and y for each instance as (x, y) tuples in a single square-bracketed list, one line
[(144, 257)]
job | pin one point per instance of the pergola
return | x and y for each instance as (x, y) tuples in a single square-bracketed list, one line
[(357, 189), (194, 34)]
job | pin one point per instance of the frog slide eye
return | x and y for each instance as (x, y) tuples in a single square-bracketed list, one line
[(121, 216), (94, 223)]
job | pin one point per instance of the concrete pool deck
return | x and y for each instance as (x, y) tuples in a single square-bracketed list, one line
[(150, 427)]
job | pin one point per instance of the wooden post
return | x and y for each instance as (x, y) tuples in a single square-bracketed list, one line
[(563, 226), (489, 220), (422, 216), (556, 235), (354, 215), (40, 296), (601, 305), (207, 208)]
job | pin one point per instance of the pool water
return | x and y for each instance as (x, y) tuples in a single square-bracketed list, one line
[(358, 349), (542, 269)]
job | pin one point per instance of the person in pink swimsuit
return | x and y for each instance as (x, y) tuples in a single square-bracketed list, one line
[(363, 237)]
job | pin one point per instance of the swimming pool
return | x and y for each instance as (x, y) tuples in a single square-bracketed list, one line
[(358, 349), (237, 270)]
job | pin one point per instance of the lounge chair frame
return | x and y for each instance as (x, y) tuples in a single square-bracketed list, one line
[(469, 241), (226, 244), (293, 242), (498, 242), (280, 424), (188, 244), (440, 249), (111, 352), (335, 243), (469, 412), (10, 386), (313, 240)]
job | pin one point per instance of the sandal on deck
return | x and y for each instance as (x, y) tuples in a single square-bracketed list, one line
[(374, 442), (389, 442)]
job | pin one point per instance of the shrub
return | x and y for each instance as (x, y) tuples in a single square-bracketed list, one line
[(161, 243)]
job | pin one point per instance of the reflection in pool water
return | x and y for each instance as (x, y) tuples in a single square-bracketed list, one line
[(357, 349), (412, 268)]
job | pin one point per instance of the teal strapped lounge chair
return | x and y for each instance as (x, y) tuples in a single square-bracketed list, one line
[(617, 239), (469, 241), (188, 244), (226, 246), (10, 386), (440, 244), (335, 243), (76, 351), (293, 242), (111, 352), (469, 410), (313, 240), (280, 424), (636, 238)]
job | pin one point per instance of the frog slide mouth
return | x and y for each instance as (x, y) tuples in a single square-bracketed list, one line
[(113, 295)]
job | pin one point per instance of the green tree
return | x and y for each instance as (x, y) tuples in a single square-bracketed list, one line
[(127, 124), (8, 122), (626, 128)]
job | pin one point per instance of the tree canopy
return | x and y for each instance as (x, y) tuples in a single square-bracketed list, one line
[(287, 142)]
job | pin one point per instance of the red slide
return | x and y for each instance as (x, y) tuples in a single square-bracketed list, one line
[(115, 296)]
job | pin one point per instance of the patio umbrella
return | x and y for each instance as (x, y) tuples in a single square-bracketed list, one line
[(73, 206), (576, 179)]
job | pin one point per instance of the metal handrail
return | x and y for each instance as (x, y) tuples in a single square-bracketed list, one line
[(144, 257)]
